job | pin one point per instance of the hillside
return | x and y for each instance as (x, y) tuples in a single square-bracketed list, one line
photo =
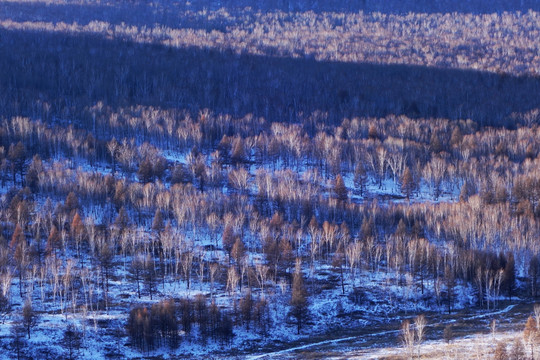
[(271, 179)]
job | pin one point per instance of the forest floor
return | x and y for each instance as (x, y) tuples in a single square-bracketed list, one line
[(470, 327)]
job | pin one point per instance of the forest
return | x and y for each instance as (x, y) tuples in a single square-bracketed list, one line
[(181, 180)]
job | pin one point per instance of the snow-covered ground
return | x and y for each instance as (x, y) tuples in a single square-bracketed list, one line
[(383, 302)]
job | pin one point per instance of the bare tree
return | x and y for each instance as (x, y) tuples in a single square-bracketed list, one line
[(500, 351), (448, 333), (212, 269), (262, 276), (407, 338), (232, 280), (517, 352), (420, 323), (530, 334), (493, 327)]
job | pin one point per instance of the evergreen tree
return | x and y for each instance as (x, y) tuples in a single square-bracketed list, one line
[(238, 251), (17, 157), (408, 185), (509, 276), (72, 341), (29, 317), (157, 223), (32, 176), (71, 204), (18, 340), (137, 269), (246, 308), (78, 233), (238, 152), (122, 221), (299, 298), (149, 275), (373, 133), (450, 282), (228, 238), (360, 179), (159, 167), (534, 270), (145, 172), (186, 315), (340, 189)]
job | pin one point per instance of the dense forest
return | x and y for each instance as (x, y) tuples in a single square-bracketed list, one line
[(190, 178)]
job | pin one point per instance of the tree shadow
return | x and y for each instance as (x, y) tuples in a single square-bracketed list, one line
[(69, 72)]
